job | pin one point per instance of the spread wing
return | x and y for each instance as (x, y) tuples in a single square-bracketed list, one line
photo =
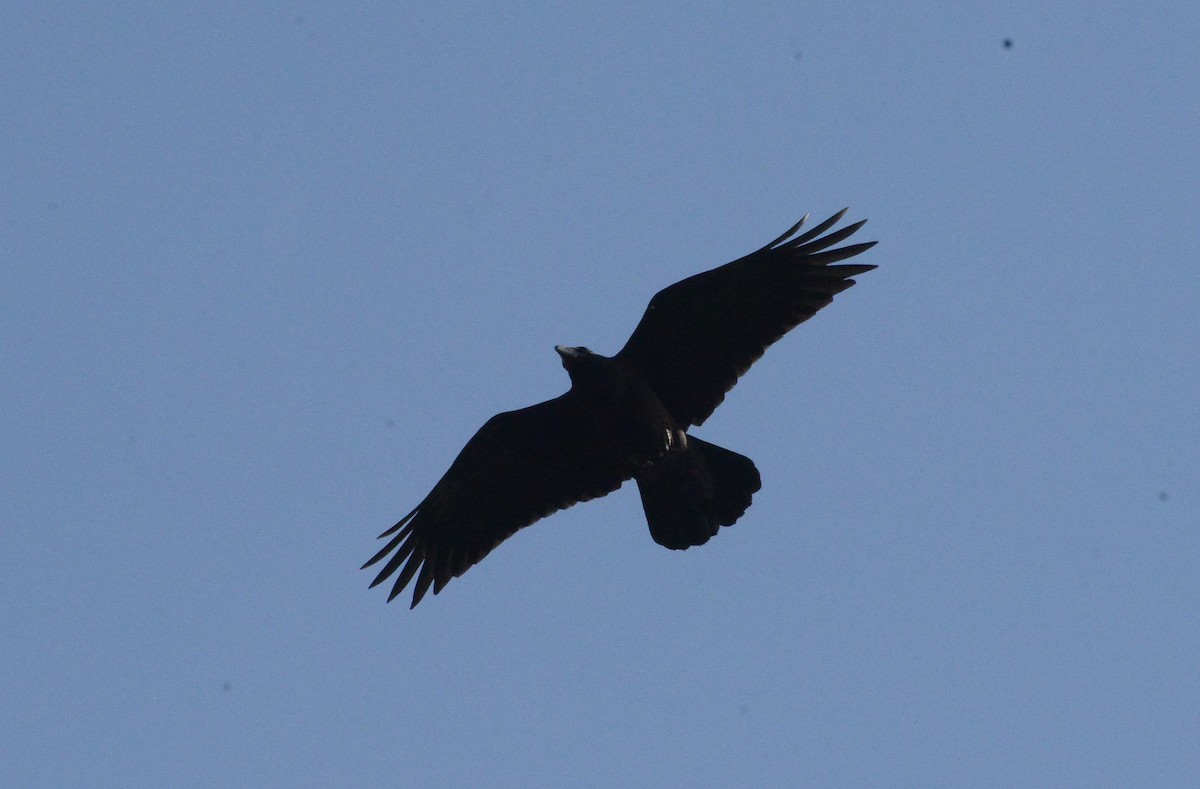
[(701, 334), (520, 467)]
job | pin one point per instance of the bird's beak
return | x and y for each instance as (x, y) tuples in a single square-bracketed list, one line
[(565, 351)]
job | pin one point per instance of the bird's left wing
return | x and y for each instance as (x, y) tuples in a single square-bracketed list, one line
[(520, 467), (701, 334)]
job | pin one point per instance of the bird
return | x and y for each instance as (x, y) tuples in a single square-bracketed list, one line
[(627, 416)]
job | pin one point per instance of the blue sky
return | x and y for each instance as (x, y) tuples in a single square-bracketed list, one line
[(267, 269)]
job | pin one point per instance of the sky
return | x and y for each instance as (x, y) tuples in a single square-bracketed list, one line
[(267, 267)]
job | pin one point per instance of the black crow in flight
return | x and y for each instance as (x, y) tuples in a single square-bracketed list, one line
[(627, 417)]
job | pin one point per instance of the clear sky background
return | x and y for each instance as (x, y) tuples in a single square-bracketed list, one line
[(265, 271)]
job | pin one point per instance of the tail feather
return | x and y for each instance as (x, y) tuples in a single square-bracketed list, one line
[(691, 495)]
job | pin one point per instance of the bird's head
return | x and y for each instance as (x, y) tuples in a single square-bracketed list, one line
[(571, 356), (592, 375), (575, 360)]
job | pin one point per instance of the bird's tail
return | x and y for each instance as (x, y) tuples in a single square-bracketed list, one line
[(688, 496)]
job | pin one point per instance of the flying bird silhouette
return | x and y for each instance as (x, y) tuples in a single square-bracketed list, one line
[(627, 416)]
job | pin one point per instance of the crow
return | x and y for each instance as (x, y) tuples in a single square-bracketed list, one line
[(627, 417)]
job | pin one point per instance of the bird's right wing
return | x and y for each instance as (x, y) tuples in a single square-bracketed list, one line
[(701, 334), (520, 467)]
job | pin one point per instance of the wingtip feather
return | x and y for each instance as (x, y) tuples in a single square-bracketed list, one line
[(790, 231), (424, 579), (401, 522)]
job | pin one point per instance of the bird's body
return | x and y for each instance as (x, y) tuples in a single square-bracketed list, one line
[(627, 416), (622, 406)]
